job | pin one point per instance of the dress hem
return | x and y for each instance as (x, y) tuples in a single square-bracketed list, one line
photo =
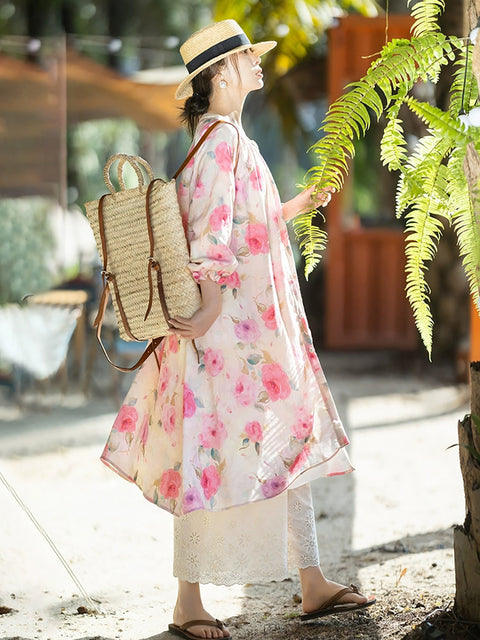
[(293, 482)]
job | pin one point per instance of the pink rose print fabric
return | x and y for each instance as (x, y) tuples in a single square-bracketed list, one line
[(247, 412)]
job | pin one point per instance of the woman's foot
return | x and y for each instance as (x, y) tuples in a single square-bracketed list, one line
[(317, 590), (189, 607)]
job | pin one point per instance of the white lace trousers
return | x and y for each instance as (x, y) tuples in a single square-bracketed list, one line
[(256, 542)]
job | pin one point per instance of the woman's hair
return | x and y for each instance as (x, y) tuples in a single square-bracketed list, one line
[(199, 102)]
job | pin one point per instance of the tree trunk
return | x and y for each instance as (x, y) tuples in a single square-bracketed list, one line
[(467, 537)]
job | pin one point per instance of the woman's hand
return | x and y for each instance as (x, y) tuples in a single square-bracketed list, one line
[(202, 320), (306, 200)]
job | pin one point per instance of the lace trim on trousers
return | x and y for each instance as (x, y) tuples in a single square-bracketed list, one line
[(257, 542)]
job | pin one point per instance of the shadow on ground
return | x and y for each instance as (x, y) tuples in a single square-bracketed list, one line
[(444, 625)]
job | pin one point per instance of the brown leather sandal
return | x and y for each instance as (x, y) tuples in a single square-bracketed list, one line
[(332, 606), (182, 630)]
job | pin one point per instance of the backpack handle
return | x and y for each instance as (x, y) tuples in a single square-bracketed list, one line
[(136, 162)]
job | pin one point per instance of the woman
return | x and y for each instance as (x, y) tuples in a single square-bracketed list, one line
[(229, 428)]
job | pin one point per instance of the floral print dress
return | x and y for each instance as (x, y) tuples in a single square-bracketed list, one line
[(245, 413)]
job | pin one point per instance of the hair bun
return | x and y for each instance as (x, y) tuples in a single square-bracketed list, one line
[(198, 103)]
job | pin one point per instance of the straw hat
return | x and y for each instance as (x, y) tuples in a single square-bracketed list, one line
[(210, 45)]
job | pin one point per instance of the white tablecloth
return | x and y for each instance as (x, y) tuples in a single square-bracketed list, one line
[(36, 337)]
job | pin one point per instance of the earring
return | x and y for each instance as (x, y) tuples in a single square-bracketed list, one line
[(222, 84)]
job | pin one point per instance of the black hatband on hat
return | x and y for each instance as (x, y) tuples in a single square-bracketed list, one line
[(217, 50)]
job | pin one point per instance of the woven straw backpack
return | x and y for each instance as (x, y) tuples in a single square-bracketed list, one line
[(142, 244)]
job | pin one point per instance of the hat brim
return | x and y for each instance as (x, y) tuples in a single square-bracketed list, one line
[(184, 89)]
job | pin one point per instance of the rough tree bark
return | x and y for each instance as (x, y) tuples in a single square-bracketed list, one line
[(467, 537)]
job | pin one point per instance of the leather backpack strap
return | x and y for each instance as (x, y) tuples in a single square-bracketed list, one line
[(196, 148), (201, 141), (110, 277), (154, 265), (98, 325), (101, 225)]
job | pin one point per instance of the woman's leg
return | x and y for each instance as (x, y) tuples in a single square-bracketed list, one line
[(189, 606), (316, 590), (224, 548), (303, 549)]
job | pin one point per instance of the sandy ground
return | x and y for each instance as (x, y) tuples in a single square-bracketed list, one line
[(387, 527)]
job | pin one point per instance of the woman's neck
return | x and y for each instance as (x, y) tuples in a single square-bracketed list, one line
[(227, 103)]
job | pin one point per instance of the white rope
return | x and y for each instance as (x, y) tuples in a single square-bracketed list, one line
[(92, 606)]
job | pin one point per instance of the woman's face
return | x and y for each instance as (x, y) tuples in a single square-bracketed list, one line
[(247, 73)]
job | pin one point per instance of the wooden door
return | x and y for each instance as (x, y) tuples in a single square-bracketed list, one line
[(366, 307)]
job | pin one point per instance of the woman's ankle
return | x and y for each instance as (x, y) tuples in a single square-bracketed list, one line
[(311, 578), (189, 599)]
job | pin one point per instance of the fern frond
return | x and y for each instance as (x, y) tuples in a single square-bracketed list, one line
[(466, 221), (400, 64), (422, 242), (423, 163), (393, 146), (425, 14), (427, 173), (312, 239), (446, 125), (457, 91), (408, 191)]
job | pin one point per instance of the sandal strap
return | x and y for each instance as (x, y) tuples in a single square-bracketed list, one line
[(338, 596), (202, 623)]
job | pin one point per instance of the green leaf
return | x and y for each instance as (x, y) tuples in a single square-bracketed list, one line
[(442, 121), (425, 13), (473, 452), (312, 240), (425, 190), (463, 98), (476, 421), (393, 146), (387, 82), (463, 207)]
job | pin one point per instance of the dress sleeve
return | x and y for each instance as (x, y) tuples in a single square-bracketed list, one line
[(211, 202)]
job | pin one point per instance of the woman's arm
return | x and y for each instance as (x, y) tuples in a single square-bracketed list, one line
[(306, 200), (202, 320)]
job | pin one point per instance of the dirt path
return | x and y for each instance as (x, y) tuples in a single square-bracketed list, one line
[(387, 527)]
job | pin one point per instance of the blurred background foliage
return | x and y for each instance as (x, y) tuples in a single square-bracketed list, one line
[(129, 37), (298, 26), (26, 245)]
